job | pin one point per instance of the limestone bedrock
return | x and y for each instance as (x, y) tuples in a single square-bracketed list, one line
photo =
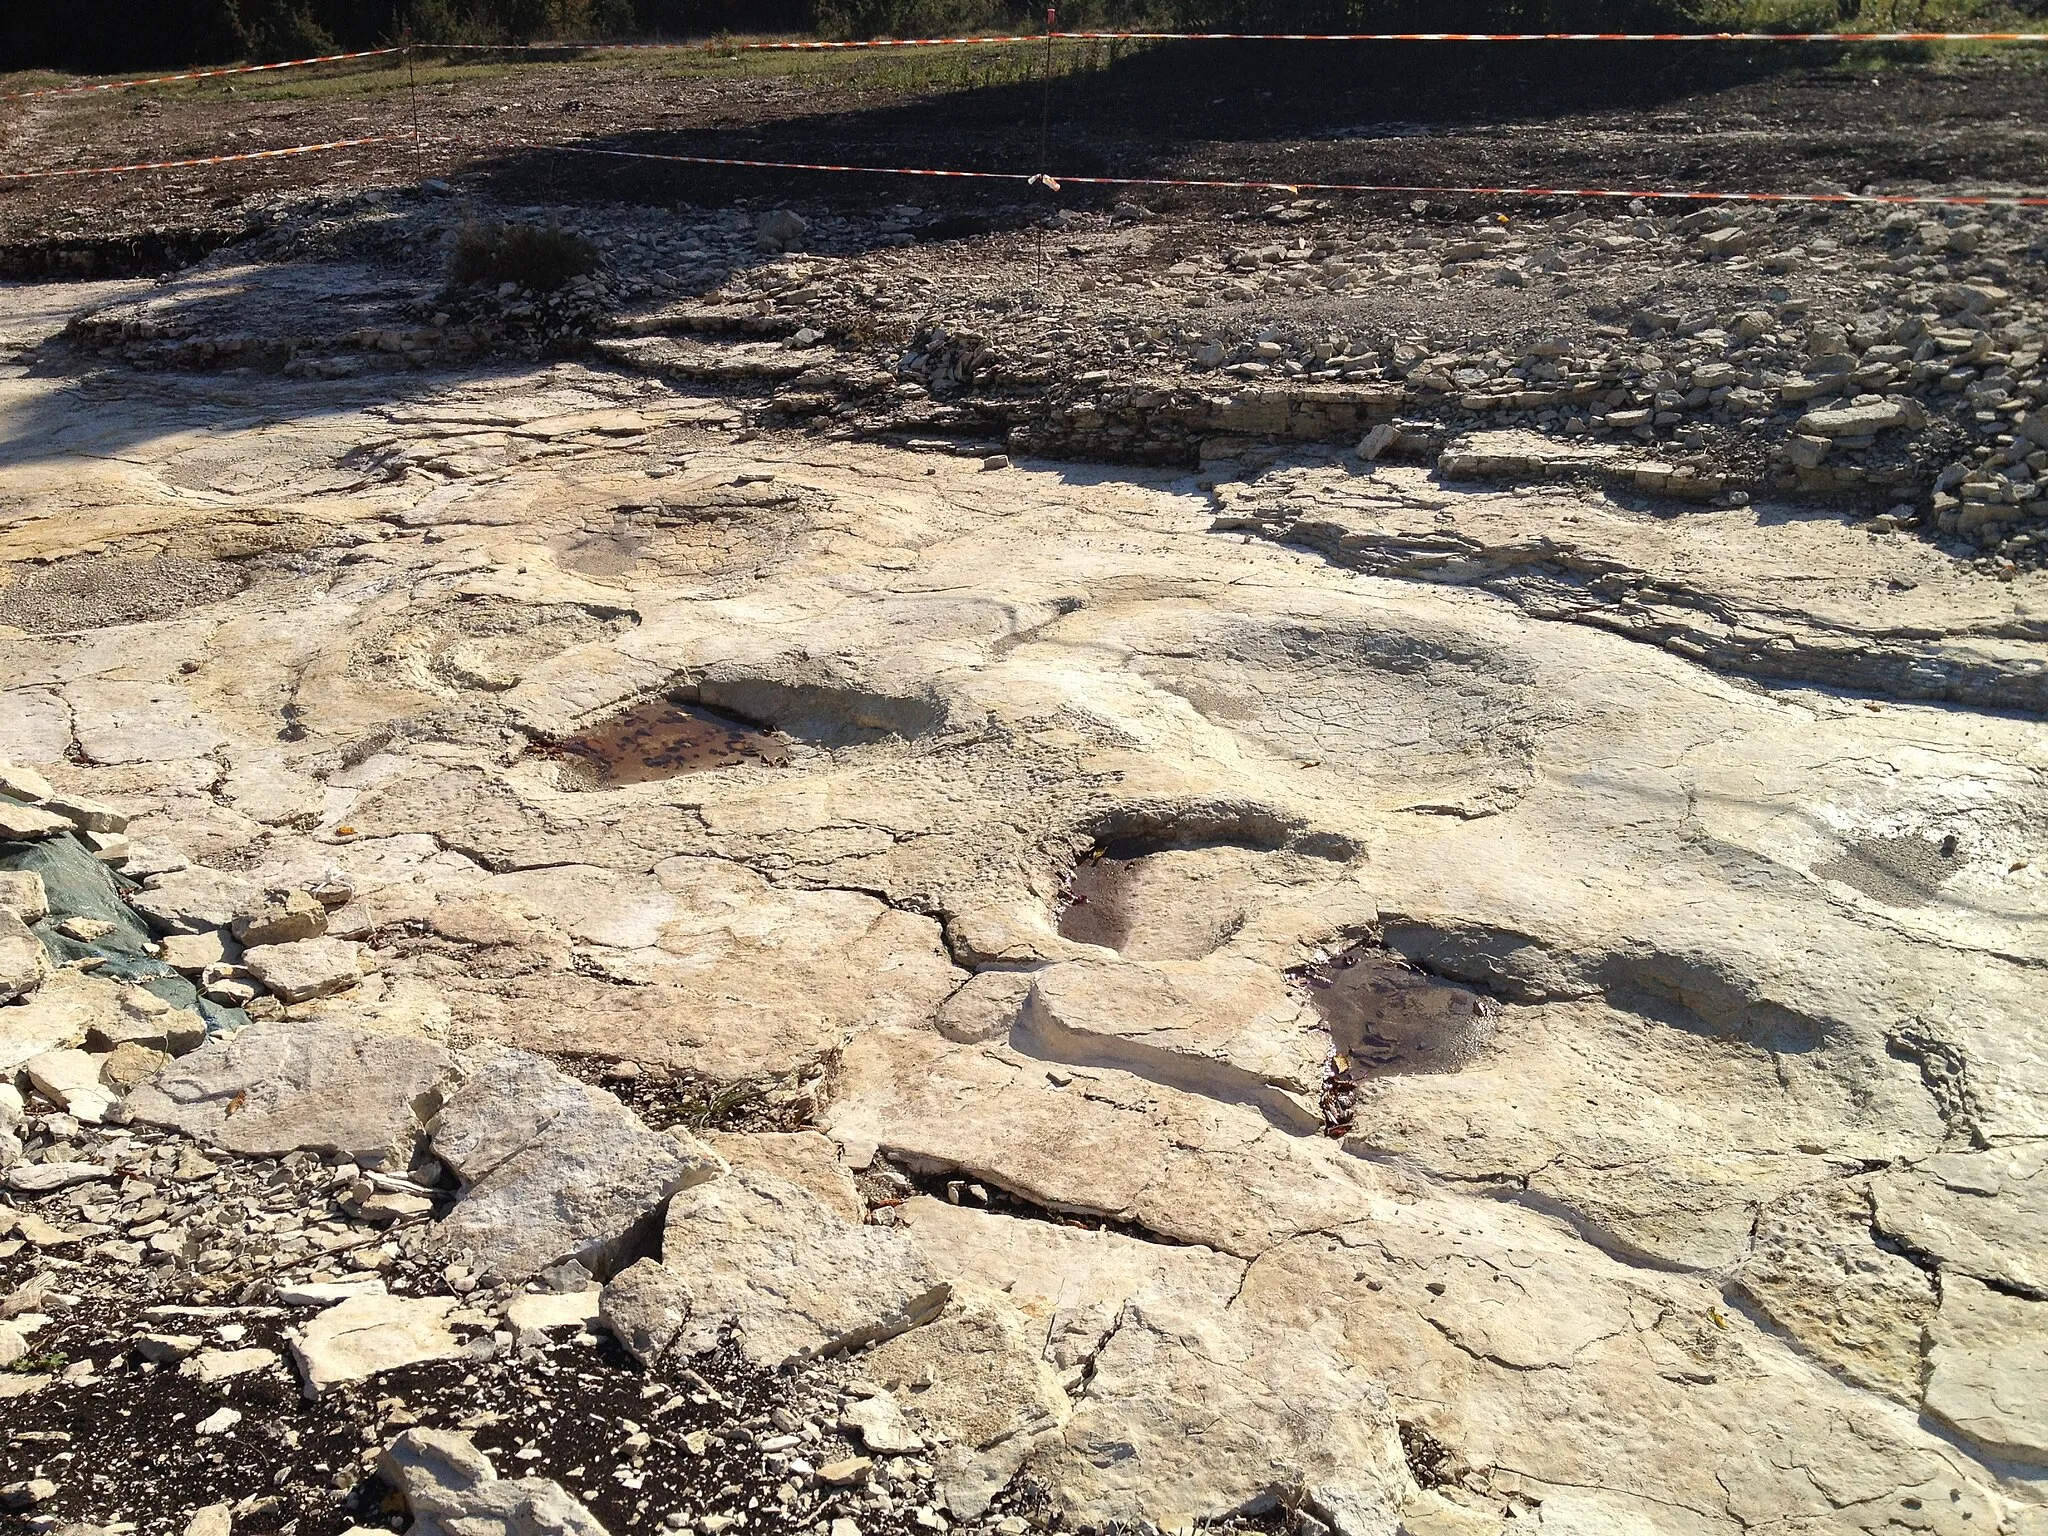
[(1731, 1221)]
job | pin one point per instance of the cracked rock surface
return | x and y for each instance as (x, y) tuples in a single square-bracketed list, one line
[(987, 1030)]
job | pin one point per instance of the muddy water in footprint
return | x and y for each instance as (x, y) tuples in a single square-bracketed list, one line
[(1387, 1017), (660, 739)]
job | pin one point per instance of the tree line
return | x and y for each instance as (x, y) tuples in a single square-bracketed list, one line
[(101, 35)]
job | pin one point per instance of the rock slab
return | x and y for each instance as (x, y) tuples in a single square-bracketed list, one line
[(1988, 1369), (554, 1170), (366, 1335), (452, 1489), (772, 1261), (305, 969), (304, 1084)]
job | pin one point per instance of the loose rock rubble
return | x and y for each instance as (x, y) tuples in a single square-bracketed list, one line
[(1892, 357)]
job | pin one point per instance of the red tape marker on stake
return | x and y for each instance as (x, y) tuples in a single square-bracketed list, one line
[(199, 74), (1945, 200), (174, 165)]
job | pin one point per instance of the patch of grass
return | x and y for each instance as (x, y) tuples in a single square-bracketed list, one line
[(916, 71), (38, 1365), (539, 257), (377, 80), (1866, 16)]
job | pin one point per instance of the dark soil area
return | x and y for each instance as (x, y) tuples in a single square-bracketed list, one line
[(1641, 116), (123, 1444)]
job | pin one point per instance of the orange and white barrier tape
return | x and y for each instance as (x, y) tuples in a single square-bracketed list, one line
[(1557, 37), (177, 165), (807, 46), (792, 46), (1055, 183), (200, 74)]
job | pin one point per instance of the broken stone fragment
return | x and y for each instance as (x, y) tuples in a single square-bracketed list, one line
[(214, 1365), (85, 814), (23, 823), (86, 930), (231, 991), (150, 859), (1807, 450), (553, 1170), (553, 1309), (24, 963), (195, 952), (450, 1486), (306, 1085), (879, 1422), (24, 784), (305, 969), (1378, 441), (48, 1178), (142, 1018), (128, 1066), (388, 1206), (1719, 244), (369, 1334), (780, 230), (287, 920), (22, 893), (774, 1262), (1862, 420), (196, 900), (70, 1079), (978, 1379), (58, 1014), (18, 1497), (107, 847), (333, 889), (167, 1348), (323, 1293)]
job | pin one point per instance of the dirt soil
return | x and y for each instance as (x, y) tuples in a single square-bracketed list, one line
[(1562, 115)]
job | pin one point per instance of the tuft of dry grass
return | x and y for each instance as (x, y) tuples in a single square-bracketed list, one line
[(539, 257)]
